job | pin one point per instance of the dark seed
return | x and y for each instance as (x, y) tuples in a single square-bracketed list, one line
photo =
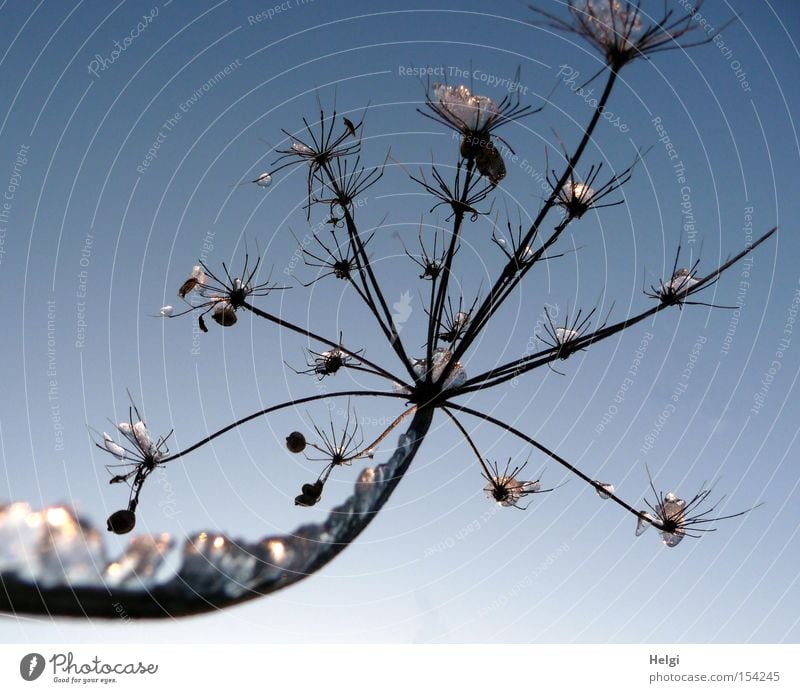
[(121, 522), (296, 442)]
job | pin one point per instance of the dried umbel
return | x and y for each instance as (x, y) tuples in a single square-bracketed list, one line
[(565, 339), (455, 320), (683, 284), (576, 197), (476, 117), (682, 280), (138, 456), (335, 258), (221, 297), (435, 383), (621, 32), (505, 488), (676, 518), (329, 362), (320, 149)]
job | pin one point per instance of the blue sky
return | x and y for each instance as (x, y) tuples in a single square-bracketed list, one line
[(99, 235)]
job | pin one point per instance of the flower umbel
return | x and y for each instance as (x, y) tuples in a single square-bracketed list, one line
[(505, 489), (684, 283), (476, 117), (620, 31), (676, 518), (565, 338), (222, 297), (319, 149), (139, 456)]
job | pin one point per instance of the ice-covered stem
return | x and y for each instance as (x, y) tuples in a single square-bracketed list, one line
[(511, 370), (203, 577), (369, 450), (599, 487)]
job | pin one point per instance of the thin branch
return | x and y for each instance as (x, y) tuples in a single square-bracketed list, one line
[(295, 328), (278, 407), (513, 369), (599, 487), (466, 435)]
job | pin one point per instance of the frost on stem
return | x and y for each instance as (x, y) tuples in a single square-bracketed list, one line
[(263, 181), (439, 361), (604, 490)]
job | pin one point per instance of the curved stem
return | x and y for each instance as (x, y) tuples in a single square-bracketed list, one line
[(277, 407), (595, 484), (469, 440)]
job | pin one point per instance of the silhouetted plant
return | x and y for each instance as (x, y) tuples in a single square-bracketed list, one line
[(331, 150), (433, 380)]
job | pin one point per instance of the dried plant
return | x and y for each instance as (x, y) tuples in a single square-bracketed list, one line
[(434, 380)]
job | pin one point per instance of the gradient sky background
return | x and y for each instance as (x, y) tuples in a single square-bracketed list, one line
[(440, 563)]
